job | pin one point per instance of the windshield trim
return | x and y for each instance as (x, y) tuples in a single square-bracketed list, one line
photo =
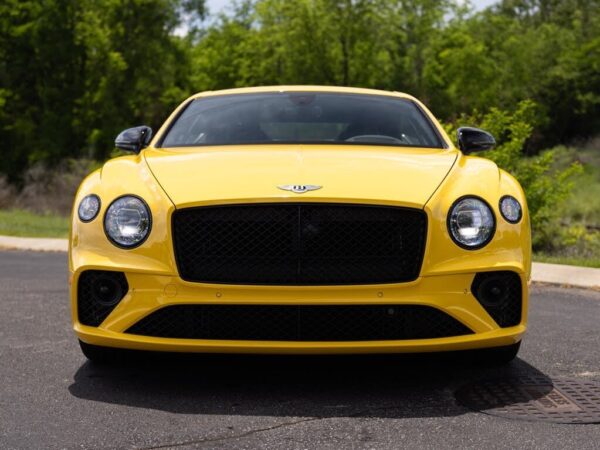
[(320, 143), (442, 144)]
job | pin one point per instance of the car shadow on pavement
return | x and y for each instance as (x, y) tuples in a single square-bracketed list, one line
[(386, 386)]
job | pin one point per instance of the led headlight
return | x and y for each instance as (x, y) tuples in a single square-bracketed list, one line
[(127, 221), (510, 208), (88, 208), (471, 223)]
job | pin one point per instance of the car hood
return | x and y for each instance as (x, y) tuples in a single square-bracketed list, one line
[(361, 174)]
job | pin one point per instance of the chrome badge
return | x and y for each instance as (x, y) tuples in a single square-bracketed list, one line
[(299, 188)]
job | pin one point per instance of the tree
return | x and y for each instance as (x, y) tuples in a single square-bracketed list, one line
[(302, 42), (73, 73)]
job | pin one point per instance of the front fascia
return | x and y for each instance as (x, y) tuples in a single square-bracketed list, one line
[(445, 279)]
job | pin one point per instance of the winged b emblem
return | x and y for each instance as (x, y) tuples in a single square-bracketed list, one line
[(299, 188)]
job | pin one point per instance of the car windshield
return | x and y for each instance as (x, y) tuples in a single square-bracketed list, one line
[(302, 118)]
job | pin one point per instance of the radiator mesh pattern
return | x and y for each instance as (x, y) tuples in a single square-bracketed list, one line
[(299, 244)]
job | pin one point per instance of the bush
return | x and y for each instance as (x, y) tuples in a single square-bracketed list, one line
[(545, 185), (7, 193), (51, 191)]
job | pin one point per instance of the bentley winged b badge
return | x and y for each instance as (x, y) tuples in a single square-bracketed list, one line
[(299, 188)]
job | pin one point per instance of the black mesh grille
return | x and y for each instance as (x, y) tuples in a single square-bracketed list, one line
[(92, 306), (299, 244), (299, 323), (505, 307)]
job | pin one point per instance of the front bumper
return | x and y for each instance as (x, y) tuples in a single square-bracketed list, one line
[(448, 293)]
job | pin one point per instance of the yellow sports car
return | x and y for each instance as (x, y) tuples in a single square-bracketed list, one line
[(300, 219)]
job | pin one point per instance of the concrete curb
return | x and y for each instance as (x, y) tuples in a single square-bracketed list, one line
[(35, 244), (556, 274), (586, 277)]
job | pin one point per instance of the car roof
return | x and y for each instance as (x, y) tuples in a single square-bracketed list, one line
[(300, 88)]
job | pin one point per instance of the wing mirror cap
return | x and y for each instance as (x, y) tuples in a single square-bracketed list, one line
[(134, 139), (474, 140)]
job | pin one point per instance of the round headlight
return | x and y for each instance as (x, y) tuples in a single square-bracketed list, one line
[(471, 223), (510, 208), (88, 208), (127, 221)]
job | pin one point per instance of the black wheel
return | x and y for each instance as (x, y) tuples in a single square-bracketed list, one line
[(101, 355), (498, 356)]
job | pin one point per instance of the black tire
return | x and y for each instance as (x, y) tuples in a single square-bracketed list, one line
[(498, 356), (100, 355)]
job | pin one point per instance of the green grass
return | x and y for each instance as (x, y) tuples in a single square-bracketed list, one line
[(21, 223), (567, 260)]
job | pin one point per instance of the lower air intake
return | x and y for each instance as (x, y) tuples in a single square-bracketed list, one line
[(500, 293), (299, 323), (98, 293)]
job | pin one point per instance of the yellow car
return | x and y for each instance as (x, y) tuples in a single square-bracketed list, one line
[(300, 219)]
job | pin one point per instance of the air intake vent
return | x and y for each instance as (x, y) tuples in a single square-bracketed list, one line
[(98, 293), (299, 323), (500, 293)]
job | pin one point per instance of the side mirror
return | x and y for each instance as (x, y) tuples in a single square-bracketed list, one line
[(134, 139), (474, 140)]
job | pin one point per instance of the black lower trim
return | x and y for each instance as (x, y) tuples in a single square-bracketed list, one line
[(299, 323)]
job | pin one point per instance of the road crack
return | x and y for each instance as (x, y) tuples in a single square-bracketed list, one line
[(266, 429), (235, 436)]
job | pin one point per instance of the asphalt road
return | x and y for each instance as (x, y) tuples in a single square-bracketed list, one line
[(50, 397)]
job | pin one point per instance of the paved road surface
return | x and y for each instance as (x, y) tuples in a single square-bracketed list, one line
[(50, 397)]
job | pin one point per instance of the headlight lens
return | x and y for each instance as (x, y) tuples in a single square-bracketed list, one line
[(88, 208), (127, 221), (471, 223), (511, 209)]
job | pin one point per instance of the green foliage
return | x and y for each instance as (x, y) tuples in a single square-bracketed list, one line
[(324, 42), (583, 206), (75, 72), (545, 185), (579, 217), (439, 50)]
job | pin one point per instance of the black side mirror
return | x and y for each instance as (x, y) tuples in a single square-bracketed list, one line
[(474, 140), (134, 139)]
